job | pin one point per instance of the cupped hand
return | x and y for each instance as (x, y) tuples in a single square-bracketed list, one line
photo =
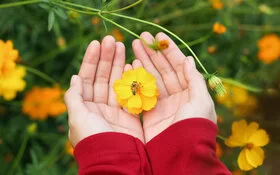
[(91, 101), (183, 91)]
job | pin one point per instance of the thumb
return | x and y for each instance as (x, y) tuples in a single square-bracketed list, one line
[(74, 97), (197, 85)]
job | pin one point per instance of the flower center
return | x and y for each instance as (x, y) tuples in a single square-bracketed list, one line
[(250, 145), (135, 87)]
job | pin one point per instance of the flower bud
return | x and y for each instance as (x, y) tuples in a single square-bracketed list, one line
[(216, 85)]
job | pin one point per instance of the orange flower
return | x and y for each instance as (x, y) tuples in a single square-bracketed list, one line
[(162, 44), (95, 21), (211, 49), (269, 48), (219, 28), (219, 151), (39, 103), (118, 35), (237, 172), (69, 148), (217, 4)]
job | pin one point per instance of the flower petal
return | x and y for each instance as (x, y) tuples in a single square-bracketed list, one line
[(122, 89), (149, 90), (243, 162), (234, 141), (129, 76), (238, 130), (134, 101), (255, 156), (122, 103), (148, 102), (135, 110), (251, 128), (259, 138)]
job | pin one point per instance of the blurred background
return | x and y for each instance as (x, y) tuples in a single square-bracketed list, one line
[(238, 40)]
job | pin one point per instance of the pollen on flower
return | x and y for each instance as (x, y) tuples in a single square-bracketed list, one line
[(250, 145), (136, 90)]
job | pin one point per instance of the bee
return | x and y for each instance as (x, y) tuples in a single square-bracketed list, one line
[(134, 87)]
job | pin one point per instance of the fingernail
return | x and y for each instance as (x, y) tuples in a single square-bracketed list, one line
[(191, 61), (73, 79)]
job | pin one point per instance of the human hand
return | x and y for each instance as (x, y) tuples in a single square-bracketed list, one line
[(91, 101), (183, 91)]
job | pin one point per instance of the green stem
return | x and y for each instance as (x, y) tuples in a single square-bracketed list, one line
[(167, 31), (19, 154), (79, 6), (198, 41), (221, 137), (118, 25), (14, 4), (124, 8), (40, 74), (75, 10), (241, 85)]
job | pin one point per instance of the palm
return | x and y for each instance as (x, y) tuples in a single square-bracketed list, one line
[(164, 114), (112, 119)]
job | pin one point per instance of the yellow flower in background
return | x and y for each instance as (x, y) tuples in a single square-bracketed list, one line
[(8, 56), (12, 83), (217, 4), (11, 75), (219, 28), (238, 100), (251, 139), (69, 148), (39, 103), (118, 35), (211, 49), (136, 90), (269, 48)]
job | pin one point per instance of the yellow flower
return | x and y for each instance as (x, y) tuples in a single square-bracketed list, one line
[(217, 4), (69, 148), (238, 100), (219, 28), (269, 48), (136, 91), (39, 103), (211, 49), (12, 83), (8, 56), (251, 139)]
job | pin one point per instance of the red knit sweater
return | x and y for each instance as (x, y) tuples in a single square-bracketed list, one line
[(185, 148)]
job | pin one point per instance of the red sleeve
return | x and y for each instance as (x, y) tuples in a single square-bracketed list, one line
[(186, 148), (112, 154)]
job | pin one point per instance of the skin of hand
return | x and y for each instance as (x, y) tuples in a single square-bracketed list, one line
[(183, 91), (91, 101)]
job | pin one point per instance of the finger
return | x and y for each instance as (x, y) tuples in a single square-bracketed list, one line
[(141, 55), (117, 70), (88, 69), (127, 67), (197, 85), (175, 57), (168, 74), (101, 84), (136, 63), (74, 98)]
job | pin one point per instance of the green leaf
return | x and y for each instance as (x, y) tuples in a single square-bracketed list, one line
[(61, 13), (105, 26), (51, 20)]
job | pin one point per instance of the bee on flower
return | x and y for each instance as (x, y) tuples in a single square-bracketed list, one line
[(136, 90)]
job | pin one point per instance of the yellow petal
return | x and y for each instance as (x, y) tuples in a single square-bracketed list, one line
[(149, 90), (255, 156), (251, 128), (122, 89), (243, 162), (122, 103), (135, 110), (238, 130), (129, 76), (148, 102), (259, 138), (235, 141), (134, 101)]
